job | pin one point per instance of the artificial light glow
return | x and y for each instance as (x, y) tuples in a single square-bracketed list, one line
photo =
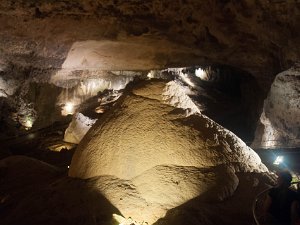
[(201, 74), (278, 160), (68, 109), (150, 75), (28, 124)]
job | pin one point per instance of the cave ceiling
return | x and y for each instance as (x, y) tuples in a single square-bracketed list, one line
[(261, 37)]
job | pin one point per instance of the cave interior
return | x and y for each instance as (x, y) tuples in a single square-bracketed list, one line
[(145, 112)]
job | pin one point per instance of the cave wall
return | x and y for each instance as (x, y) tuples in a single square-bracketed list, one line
[(48, 38), (279, 122)]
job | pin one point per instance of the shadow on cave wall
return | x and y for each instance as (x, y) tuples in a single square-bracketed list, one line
[(231, 97)]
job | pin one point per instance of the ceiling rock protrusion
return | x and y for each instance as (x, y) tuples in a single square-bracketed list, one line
[(261, 37)]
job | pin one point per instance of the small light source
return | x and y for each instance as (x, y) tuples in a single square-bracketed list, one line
[(68, 109), (278, 160), (150, 75), (68, 167), (28, 124)]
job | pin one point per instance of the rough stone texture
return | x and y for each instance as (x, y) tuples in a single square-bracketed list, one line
[(247, 34), (280, 119), (163, 158), (78, 128), (47, 39), (141, 133), (8, 87), (33, 192), (175, 185), (161, 188)]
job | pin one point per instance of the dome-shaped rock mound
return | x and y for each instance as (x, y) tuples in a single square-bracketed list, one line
[(19, 171), (143, 131)]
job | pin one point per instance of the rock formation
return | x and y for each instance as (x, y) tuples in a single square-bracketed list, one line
[(118, 35), (33, 192), (280, 119), (153, 156), (166, 157), (78, 128)]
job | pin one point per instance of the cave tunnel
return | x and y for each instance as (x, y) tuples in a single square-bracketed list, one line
[(146, 112)]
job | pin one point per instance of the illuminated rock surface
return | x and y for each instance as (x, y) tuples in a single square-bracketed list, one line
[(147, 146), (78, 128), (143, 132), (280, 119), (184, 194), (165, 158)]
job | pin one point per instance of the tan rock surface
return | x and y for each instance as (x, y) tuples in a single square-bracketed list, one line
[(162, 195), (147, 155), (78, 127), (119, 35), (141, 133)]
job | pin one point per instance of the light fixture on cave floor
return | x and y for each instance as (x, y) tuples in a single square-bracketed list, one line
[(150, 75), (279, 159), (122, 221)]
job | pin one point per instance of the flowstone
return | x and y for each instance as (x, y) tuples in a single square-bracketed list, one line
[(158, 156)]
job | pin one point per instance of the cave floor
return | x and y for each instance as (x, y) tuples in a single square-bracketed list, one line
[(46, 145)]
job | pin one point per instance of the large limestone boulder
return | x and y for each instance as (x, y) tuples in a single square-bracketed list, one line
[(143, 132), (146, 160), (147, 156), (280, 119)]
